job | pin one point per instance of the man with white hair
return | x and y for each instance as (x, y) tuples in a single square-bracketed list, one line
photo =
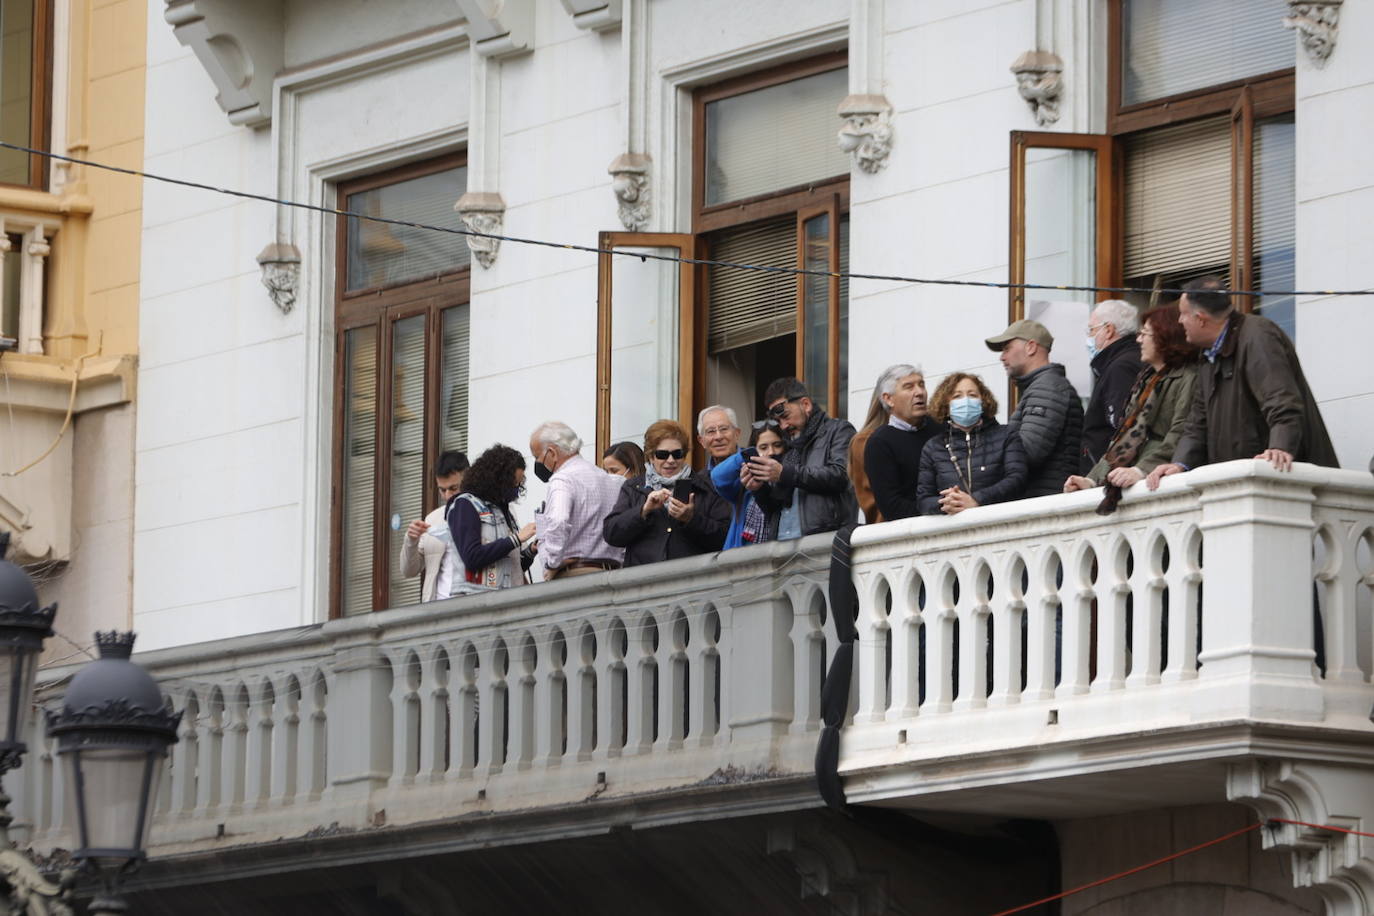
[(580, 496), (892, 455), (718, 433), (1115, 354)]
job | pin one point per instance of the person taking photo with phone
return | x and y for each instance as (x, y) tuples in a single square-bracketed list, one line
[(667, 512), (752, 523)]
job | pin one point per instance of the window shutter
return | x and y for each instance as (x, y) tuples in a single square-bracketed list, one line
[(1176, 46), (749, 306), (1178, 200)]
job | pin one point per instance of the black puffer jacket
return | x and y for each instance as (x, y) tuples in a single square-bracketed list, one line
[(998, 464), (660, 536), (1049, 420), (815, 470)]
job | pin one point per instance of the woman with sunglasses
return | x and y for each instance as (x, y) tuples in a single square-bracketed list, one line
[(667, 512), (751, 523)]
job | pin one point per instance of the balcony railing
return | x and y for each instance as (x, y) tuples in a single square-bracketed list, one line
[(1030, 659)]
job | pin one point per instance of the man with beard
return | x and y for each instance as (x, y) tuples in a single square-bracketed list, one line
[(810, 487)]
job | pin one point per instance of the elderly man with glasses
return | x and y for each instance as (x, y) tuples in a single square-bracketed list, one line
[(718, 432), (810, 487)]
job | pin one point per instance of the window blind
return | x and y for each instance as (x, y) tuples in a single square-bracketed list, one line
[(407, 449), (453, 416), (773, 138), (382, 254), (1175, 46), (359, 465), (1178, 199), (749, 306)]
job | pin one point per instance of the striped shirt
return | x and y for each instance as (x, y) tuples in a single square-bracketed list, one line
[(580, 496)]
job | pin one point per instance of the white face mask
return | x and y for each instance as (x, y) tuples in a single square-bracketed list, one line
[(1091, 344)]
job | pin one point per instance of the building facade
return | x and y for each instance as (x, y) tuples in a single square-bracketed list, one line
[(298, 372)]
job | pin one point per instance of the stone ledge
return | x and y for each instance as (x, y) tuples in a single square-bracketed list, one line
[(43, 383)]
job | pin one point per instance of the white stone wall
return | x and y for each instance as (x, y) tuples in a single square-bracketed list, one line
[(1335, 185)]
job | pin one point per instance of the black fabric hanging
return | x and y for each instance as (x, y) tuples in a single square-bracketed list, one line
[(844, 604)]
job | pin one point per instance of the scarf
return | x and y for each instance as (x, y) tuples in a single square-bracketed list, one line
[(1126, 444), (755, 528), (654, 481)]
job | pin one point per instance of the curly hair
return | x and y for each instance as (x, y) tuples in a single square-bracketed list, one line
[(1170, 341), (939, 401), (665, 429), (492, 475)]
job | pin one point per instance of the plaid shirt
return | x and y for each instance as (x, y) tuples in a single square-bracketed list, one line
[(580, 496)]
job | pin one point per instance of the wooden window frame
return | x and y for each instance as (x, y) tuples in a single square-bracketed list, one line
[(829, 208), (382, 307), (40, 95), (691, 329)]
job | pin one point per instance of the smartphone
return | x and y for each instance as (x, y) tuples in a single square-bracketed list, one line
[(750, 452), (682, 490)]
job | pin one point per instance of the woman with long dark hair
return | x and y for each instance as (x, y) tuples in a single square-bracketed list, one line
[(1156, 410), (624, 459), (751, 523), (480, 519)]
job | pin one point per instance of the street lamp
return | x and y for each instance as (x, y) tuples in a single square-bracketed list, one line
[(113, 732), (23, 627)]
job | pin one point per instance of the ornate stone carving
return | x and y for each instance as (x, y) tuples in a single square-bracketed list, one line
[(597, 15), (501, 29), (281, 273), (1039, 79), (240, 45), (483, 212), (631, 187), (829, 868), (1317, 22), (867, 130), (28, 892)]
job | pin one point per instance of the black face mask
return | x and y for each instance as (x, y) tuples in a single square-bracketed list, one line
[(541, 471)]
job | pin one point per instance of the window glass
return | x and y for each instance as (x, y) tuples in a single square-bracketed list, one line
[(11, 288), (751, 306), (16, 87), (381, 254), (644, 342), (1176, 46), (407, 448), (453, 409), (816, 256), (1275, 214), (773, 138), (359, 466)]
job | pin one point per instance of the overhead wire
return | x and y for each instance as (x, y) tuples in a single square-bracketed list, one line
[(655, 256)]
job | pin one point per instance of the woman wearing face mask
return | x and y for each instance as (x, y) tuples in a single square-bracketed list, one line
[(650, 522), (751, 523), (976, 461), (481, 523), (1156, 410)]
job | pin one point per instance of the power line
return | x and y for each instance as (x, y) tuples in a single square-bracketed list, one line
[(643, 255)]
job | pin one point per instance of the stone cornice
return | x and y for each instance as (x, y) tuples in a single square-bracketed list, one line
[(43, 383)]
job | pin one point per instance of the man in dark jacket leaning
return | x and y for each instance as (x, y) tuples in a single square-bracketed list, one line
[(1115, 355), (1048, 416), (810, 487), (1251, 400)]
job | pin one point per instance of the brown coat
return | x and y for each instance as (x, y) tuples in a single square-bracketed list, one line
[(863, 492), (1254, 397)]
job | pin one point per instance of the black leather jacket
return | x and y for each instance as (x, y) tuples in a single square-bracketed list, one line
[(815, 471)]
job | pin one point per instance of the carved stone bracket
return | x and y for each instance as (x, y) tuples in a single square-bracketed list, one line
[(828, 868), (485, 212), (281, 273), (1317, 22), (631, 187), (499, 28), (1039, 79), (240, 45), (867, 130), (1339, 866), (597, 15)]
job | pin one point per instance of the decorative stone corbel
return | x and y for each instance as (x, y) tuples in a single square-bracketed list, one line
[(484, 212), (499, 28), (1317, 22), (281, 273), (240, 45), (631, 187), (867, 130), (597, 15), (1039, 79)]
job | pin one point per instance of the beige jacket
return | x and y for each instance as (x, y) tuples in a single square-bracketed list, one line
[(424, 555)]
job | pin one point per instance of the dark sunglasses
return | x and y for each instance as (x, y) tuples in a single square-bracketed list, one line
[(764, 424), (662, 454), (780, 408)]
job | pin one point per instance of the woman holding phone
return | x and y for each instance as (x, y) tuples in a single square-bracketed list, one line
[(751, 524), (976, 461), (482, 525), (667, 512)]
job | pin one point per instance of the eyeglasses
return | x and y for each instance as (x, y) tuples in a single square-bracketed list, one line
[(1094, 328), (717, 431), (780, 408), (677, 454)]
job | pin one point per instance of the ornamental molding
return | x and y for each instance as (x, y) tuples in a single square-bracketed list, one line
[(29, 892), (829, 868), (240, 44), (483, 212), (1040, 80), (499, 28), (867, 131), (281, 274), (630, 174), (1339, 866), (596, 15), (1317, 23)]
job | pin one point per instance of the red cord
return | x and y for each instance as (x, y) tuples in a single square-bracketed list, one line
[(1170, 858)]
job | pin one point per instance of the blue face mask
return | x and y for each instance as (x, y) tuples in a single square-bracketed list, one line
[(966, 411), (1091, 344)]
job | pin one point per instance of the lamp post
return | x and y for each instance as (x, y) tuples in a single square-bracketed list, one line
[(23, 627), (113, 732)]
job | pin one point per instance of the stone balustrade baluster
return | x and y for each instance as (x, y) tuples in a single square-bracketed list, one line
[(905, 623), (1076, 631), (610, 693), (434, 716), (524, 662), (674, 675), (1147, 624), (704, 679), (185, 756), (233, 775), (405, 718), (940, 618), (870, 660), (582, 694), (492, 709), (1183, 580), (1113, 590), (552, 702), (259, 727), (643, 673), (973, 613), (286, 739), (1007, 612)]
